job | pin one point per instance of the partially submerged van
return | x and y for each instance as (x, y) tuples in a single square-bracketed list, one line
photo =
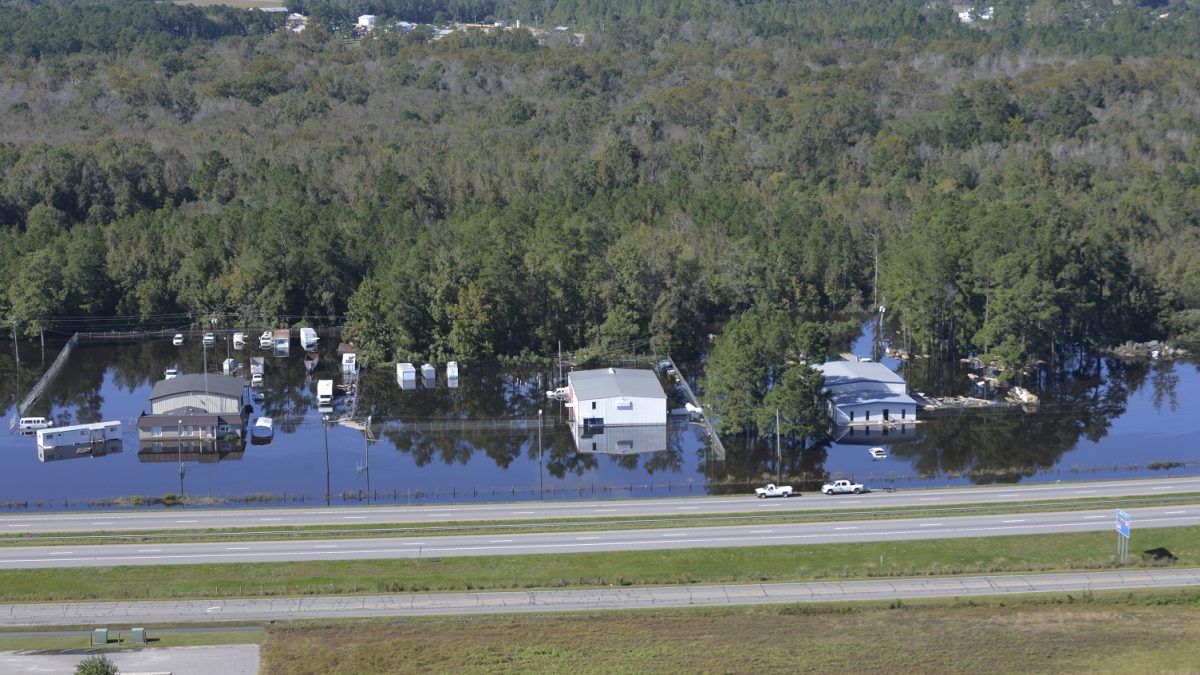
[(34, 423)]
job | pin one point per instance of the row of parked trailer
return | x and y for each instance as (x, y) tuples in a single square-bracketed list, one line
[(407, 372)]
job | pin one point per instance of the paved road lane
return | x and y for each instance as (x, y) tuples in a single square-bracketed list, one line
[(516, 543), (201, 611), (199, 519)]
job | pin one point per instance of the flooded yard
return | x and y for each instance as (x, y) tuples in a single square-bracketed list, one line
[(484, 439)]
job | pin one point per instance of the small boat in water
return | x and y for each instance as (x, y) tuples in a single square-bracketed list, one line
[(266, 340), (239, 340), (878, 453), (263, 431), (310, 361)]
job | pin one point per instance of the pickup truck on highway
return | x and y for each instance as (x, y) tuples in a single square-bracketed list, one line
[(841, 487), (772, 490)]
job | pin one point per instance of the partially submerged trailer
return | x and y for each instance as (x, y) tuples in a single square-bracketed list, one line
[(281, 340), (324, 392), (308, 338)]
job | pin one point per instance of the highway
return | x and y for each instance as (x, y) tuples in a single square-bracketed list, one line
[(518, 543), (202, 518), (125, 614)]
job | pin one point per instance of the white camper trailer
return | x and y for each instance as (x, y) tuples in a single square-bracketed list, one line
[(406, 373), (309, 339), (324, 392)]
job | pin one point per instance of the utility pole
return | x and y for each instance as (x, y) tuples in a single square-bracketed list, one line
[(541, 490), (778, 452), (179, 454), (325, 430), (16, 351)]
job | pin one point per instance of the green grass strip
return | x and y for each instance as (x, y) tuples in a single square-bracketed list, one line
[(991, 555)]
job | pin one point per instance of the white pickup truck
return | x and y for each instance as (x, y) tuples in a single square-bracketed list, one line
[(841, 487), (773, 490)]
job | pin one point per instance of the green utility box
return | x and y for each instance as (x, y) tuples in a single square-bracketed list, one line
[(99, 636), (137, 636)]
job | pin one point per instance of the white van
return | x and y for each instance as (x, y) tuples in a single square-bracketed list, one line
[(33, 423)]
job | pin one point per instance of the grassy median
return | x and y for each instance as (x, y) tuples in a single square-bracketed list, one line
[(1125, 633), (992, 555)]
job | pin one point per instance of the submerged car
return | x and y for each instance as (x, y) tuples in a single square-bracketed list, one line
[(178, 340)]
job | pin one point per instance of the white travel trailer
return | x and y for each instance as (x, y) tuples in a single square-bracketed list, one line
[(79, 434), (324, 392), (309, 339), (406, 373)]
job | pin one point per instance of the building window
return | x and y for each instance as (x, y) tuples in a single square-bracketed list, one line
[(156, 432), (851, 415), (904, 413), (867, 415), (593, 405)]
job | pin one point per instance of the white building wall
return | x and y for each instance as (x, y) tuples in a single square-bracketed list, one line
[(872, 413), (624, 410)]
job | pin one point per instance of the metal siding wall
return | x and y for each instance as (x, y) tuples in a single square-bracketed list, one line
[(197, 400)]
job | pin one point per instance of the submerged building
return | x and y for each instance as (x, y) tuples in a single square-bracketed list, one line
[(866, 393), (195, 408), (614, 397)]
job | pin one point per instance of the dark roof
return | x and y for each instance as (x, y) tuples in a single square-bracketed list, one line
[(615, 382), (223, 385)]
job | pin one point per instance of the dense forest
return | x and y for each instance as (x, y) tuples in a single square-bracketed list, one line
[(1012, 187)]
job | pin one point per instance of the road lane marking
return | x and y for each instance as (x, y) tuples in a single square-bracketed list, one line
[(26, 525), (605, 511), (325, 545), (501, 541), (63, 553), (1174, 513), (1094, 517), (845, 528), (1084, 492), (1013, 521), (683, 534), (353, 517), (187, 521), (585, 538), (930, 499), (685, 508), (523, 513), (930, 525), (107, 522), (1161, 487), (761, 531), (237, 548), (149, 550), (267, 520)]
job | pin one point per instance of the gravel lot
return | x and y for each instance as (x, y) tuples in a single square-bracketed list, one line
[(227, 660)]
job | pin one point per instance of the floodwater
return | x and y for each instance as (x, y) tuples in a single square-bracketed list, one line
[(481, 439), (477, 440)]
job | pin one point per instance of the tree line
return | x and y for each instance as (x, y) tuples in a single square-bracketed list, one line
[(1011, 189)]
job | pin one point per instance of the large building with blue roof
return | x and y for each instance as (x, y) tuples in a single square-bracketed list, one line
[(866, 393)]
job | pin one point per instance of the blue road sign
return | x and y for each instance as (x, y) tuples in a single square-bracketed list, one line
[(1123, 523)]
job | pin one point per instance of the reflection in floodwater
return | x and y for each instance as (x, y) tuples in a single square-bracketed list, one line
[(871, 434), (77, 450), (620, 439), (202, 452)]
